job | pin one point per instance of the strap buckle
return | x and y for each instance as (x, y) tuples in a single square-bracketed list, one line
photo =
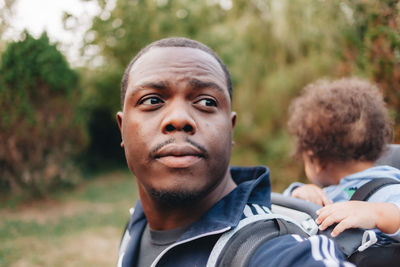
[(368, 239)]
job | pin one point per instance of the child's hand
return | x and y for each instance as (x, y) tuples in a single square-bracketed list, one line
[(311, 193), (350, 214)]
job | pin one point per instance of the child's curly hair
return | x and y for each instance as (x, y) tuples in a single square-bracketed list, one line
[(341, 120)]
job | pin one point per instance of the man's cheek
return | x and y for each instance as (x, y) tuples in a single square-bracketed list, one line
[(221, 147)]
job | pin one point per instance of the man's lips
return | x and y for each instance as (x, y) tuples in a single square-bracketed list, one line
[(178, 156)]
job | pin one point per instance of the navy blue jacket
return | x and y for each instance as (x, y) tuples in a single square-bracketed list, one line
[(250, 197)]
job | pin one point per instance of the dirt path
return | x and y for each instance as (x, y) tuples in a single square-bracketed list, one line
[(89, 248)]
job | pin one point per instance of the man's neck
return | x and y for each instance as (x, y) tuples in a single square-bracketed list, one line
[(165, 217)]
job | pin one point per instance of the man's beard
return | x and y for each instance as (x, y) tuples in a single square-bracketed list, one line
[(177, 199)]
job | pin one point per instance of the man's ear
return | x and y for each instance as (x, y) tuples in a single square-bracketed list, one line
[(233, 119), (120, 114)]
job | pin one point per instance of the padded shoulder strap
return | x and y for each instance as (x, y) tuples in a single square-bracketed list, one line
[(236, 247), (348, 242), (367, 190)]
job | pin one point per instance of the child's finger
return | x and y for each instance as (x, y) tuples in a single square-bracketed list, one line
[(340, 227), (326, 221), (318, 200), (329, 209), (325, 212), (325, 199)]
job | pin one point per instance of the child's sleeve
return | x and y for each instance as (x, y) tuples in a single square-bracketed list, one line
[(293, 186), (389, 194)]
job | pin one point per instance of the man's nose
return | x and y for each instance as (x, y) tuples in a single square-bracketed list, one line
[(178, 118)]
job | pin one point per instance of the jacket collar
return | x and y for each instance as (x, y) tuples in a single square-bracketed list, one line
[(253, 186)]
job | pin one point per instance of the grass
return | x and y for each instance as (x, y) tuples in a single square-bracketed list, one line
[(82, 227)]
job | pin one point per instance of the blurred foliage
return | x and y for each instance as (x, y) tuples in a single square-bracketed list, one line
[(6, 12), (372, 49), (272, 48), (39, 129)]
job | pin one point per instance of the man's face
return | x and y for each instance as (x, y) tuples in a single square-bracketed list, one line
[(177, 123)]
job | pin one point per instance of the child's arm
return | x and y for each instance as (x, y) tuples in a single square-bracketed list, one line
[(312, 193), (360, 214)]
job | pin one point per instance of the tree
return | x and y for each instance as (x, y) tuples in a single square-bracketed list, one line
[(6, 12), (372, 49), (39, 127)]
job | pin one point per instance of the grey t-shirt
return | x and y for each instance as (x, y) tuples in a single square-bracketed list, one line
[(154, 242)]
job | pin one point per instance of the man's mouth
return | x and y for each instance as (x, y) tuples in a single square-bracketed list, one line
[(179, 156)]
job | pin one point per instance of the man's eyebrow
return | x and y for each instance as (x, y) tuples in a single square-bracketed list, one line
[(160, 85), (199, 84)]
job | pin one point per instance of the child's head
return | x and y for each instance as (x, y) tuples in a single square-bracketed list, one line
[(340, 121)]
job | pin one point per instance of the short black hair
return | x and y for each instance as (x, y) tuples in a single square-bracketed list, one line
[(174, 42)]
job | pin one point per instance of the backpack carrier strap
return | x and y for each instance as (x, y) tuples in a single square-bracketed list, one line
[(236, 247), (377, 256), (348, 242), (388, 255), (367, 190)]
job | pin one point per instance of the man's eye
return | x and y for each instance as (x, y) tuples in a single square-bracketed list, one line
[(153, 100), (207, 102)]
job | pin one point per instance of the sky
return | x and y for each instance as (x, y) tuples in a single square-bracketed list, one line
[(46, 15)]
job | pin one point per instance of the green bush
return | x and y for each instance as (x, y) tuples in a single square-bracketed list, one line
[(39, 127), (372, 49)]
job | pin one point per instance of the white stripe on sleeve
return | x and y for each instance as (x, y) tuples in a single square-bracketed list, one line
[(314, 240), (267, 210), (120, 259), (258, 209), (247, 211), (322, 253), (298, 238)]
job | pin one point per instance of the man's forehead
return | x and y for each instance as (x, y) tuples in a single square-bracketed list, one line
[(176, 57)]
